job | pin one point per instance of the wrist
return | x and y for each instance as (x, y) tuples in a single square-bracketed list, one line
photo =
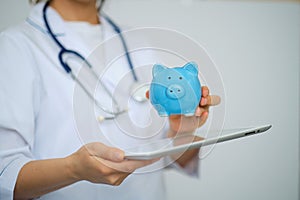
[(171, 133), (72, 171)]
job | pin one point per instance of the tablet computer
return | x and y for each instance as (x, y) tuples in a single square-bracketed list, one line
[(168, 146)]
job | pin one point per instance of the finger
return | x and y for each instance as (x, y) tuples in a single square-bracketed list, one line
[(203, 101), (175, 116), (205, 91), (118, 178), (147, 94), (203, 118), (212, 100), (200, 110), (129, 166), (105, 152), (132, 165)]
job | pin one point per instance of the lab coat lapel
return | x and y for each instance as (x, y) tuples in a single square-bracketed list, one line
[(57, 25), (35, 18)]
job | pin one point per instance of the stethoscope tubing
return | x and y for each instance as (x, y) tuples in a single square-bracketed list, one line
[(68, 70), (119, 32)]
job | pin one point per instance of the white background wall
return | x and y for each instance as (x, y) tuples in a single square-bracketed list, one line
[(256, 47)]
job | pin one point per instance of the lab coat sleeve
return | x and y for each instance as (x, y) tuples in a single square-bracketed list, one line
[(18, 101)]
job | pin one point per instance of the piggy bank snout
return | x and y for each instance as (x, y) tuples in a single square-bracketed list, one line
[(175, 91)]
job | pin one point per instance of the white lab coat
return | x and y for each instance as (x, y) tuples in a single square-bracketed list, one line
[(38, 120)]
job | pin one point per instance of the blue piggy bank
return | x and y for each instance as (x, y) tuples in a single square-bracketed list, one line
[(176, 90)]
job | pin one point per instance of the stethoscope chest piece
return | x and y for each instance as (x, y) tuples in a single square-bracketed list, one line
[(138, 91)]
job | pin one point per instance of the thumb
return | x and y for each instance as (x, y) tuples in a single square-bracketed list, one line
[(105, 152)]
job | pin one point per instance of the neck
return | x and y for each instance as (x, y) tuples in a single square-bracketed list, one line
[(76, 10)]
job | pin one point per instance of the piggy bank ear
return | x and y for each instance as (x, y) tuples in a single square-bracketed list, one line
[(157, 68), (192, 67)]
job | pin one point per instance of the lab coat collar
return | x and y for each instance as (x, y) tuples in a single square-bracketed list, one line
[(56, 22), (35, 19)]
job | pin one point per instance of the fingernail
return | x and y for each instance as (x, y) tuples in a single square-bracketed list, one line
[(118, 156), (198, 112)]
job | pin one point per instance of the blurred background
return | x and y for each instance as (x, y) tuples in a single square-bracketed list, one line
[(256, 46)]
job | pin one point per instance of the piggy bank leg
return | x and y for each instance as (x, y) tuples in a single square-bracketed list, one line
[(163, 114), (189, 114), (161, 110)]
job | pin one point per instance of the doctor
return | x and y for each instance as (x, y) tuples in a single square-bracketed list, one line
[(41, 154)]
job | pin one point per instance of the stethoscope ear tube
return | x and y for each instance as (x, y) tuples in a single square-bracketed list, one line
[(48, 26), (119, 32)]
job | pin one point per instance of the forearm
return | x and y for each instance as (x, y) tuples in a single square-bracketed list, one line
[(182, 159), (40, 177)]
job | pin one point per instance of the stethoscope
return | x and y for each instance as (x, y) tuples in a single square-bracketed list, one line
[(139, 93)]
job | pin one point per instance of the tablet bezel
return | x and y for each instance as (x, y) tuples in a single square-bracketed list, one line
[(180, 148)]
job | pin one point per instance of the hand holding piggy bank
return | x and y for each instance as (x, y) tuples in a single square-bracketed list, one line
[(175, 91)]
